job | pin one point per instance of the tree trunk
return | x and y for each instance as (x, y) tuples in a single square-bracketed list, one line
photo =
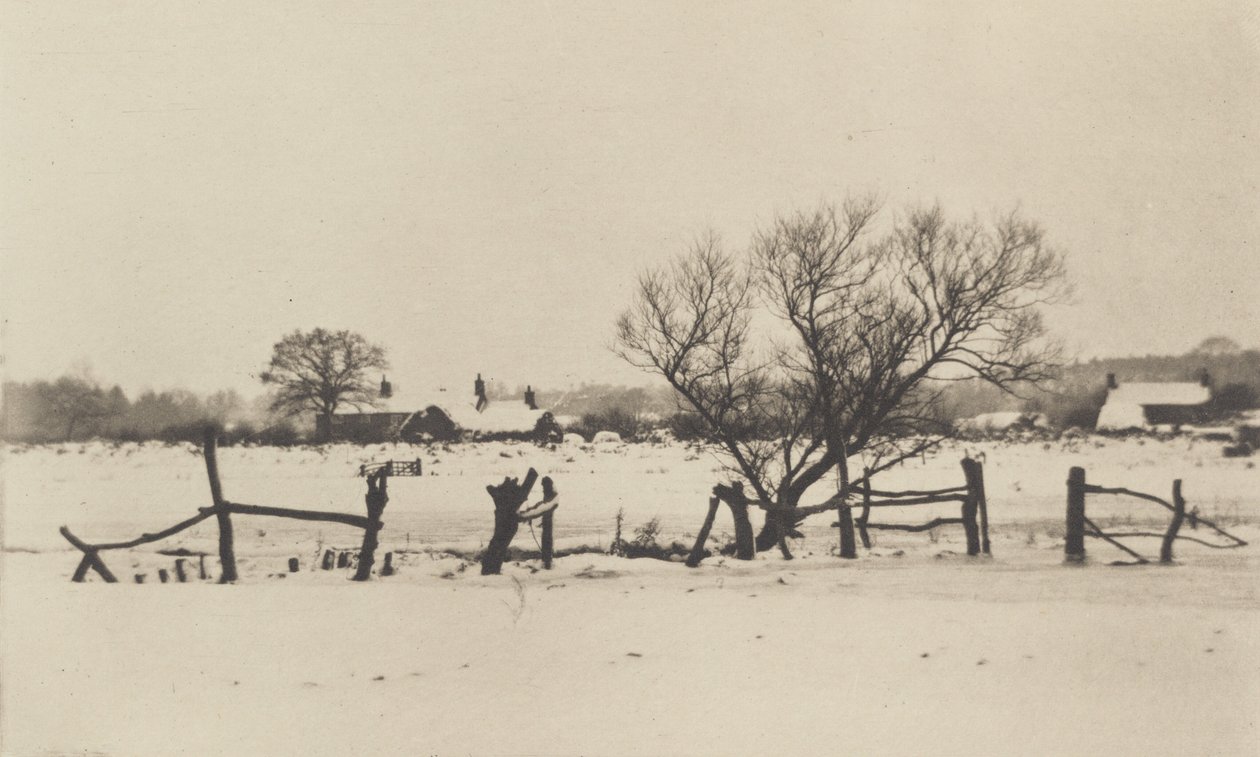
[(848, 543)]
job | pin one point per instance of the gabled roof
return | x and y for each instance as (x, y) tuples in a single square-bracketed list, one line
[(1155, 393), (500, 416)]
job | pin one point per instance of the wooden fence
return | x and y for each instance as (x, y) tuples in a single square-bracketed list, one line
[(223, 510), (1079, 525), (974, 515)]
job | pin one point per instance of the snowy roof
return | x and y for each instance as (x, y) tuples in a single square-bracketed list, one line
[(503, 416), (498, 416), (1126, 405), (1188, 393)]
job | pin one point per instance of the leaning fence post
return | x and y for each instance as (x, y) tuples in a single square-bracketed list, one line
[(1074, 538), (227, 555), (1179, 514), (970, 507), (697, 552)]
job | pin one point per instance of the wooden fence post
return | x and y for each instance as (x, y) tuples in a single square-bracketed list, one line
[(1074, 538), (548, 547), (1179, 514), (866, 509), (293, 565), (181, 573), (983, 501), (697, 551), (163, 576), (227, 554), (970, 507), (201, 567)]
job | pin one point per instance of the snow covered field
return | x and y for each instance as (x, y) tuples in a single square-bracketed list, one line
[(912, 648)]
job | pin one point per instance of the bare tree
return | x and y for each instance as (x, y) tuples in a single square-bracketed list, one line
[(322, 371), (870, 329)]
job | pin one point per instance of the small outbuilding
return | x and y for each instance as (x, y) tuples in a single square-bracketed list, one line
[(1150, 406)]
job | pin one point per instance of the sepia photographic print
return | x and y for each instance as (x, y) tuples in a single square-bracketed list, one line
[(646, 378)]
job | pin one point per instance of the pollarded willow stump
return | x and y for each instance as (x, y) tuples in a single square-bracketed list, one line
[(508, 498)]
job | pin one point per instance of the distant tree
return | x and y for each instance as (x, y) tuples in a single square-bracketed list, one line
[(870, 329), (72, 403), (321, 371), (1217, 345)]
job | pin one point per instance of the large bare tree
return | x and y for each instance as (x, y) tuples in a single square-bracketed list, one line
[(867, 327), (321, 371)]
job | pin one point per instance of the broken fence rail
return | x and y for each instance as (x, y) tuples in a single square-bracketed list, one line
[(1079, 526), (376, 498)]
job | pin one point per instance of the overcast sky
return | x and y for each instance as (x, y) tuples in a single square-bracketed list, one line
[(475, 185)]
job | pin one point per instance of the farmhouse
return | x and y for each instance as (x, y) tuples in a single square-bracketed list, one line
[(1152, 405), (441, 416)]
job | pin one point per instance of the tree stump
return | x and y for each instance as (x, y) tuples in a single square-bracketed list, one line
[(733, 496), (508, 498), (139, 578), (327, 563), (163, 576), (293, 565), (343, 559)]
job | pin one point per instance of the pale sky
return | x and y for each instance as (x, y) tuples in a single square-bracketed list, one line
[(475, 185)]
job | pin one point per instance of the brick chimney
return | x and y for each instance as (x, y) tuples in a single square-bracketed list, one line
[(529, 398), (1111, 381), (387, 389)]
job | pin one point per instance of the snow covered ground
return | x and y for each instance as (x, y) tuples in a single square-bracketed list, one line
[(910, 649)]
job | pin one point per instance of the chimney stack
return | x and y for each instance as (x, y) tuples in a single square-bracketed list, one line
[(529, 398), (1111, 381), (1205, 378), (387, 389)]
